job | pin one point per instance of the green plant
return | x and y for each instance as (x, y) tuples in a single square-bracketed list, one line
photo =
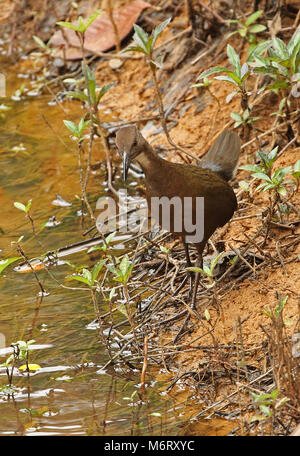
[(92, 96), (274, 181), (26, 209), (243, 119), (106, 244), (5, 263), (237, 75), (267, 403), (45, 47), (81, 26), (77, 130), (85, 276), (282, 63), (122, 271), (144, 44), (20, 352), (296, 174), (207, 271), (248, 29)]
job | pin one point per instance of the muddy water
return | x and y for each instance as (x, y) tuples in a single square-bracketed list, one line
[(70, 394)]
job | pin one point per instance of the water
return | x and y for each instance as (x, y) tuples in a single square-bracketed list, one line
[(70, 394)]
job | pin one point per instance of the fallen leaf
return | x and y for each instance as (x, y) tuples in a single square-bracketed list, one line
[(100, 37)]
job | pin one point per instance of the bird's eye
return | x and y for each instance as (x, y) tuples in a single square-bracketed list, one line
[(134, 142)]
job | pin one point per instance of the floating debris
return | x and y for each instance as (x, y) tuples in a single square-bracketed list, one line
[(59, 201)]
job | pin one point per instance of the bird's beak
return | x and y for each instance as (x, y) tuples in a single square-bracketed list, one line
[(126, 163)]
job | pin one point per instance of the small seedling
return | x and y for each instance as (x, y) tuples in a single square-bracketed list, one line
[(237, 75), (267, 404), (5, 263), (26, 209), (244, 119), (86, 276), (208, 271), (248, 29), (77, 130), (81, 26), (123, 271)]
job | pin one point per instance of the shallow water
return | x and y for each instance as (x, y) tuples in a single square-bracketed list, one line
[(70, 394)]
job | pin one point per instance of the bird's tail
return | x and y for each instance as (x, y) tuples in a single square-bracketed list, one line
[(222, 157)]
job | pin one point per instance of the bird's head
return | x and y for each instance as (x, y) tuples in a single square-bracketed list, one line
[(130, 144)]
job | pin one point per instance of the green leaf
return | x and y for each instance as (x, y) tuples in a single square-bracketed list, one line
[(71, 126), (294, 56), (195, 269), (67, 25), (280, 48), (39, 42), (20, 206), (265, 410), (80, 95), (92, 18), (253, 18), (213, 70), (254, 168), (27, 208), (125, 266), (257, 28), (79, 278), (259, 50), (207, 270), (297, 166), (104, 89), (5, 263), (158, 30), (262, 176), (236, 116), (215, 261), (207, 314), (96, 270), (112, 293), (234, 60), (282, 191), (228, 79), (141, 38), (244, 185)]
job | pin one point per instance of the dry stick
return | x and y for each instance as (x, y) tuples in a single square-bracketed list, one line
[(280, 258), (216, 15), (97, 312), (92, 129), (145, 363), (230, 395), (163, 116), (241, 257), (114, 26), (21, 251)]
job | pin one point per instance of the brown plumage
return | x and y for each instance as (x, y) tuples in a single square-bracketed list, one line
[(209, 180)]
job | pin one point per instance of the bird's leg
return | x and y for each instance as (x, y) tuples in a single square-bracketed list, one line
[(199, 264), (188, 264), (187, 255)]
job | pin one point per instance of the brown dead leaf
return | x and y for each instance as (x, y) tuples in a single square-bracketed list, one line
[(6, 11), (100, 37)]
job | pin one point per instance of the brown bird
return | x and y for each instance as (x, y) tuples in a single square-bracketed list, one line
[(187, 182)]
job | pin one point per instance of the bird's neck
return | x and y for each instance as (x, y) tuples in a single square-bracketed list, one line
[(148, 158)]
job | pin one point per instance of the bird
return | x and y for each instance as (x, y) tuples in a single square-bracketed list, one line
[(187, 182)]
